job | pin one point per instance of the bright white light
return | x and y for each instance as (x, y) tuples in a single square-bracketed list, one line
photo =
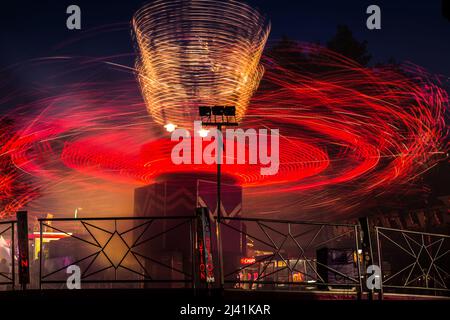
[(170, 127), (203, 133)]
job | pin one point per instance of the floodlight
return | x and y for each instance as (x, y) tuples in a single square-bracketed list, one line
[(218, 110), (230, 111)]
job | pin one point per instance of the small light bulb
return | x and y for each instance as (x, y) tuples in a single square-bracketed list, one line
[(170, 127), (203, 133)]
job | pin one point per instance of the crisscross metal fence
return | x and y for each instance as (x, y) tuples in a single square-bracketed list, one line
[(295, 255), (414, 262), (7, 255), (113, 252)]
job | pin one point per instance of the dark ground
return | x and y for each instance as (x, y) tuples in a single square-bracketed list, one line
[(167, 303)]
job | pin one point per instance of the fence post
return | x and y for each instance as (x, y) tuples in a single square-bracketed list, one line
[(206, 262), (360, 289), (24, 260), (380, 293), (40, 254), (13, 264)]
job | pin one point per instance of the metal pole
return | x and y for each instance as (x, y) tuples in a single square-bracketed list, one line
[(218, 235), (13, 264), (219, 160), (193, 239), (357, 262), (380, 293), (40, 254)]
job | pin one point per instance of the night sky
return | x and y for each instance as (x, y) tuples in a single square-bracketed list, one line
[(413, 31)]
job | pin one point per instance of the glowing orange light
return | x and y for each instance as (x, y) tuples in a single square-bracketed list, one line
[(170, 127)]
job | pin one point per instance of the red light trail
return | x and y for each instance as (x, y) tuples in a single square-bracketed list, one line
[(348, 135)]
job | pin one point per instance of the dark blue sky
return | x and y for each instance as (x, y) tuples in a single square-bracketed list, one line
[(411, 30)]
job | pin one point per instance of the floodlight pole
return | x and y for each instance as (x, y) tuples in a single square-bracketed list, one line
[(220, 147), (219, 175)]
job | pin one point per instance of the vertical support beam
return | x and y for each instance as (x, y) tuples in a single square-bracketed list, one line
[(380, 293), (13, 263), (360, 290), (230, 111), (366, 246), (40, 254), (24, 261), (219, 173)]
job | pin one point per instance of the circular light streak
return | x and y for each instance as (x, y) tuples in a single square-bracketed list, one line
[(348, 135)]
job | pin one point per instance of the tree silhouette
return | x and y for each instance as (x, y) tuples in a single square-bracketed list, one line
[(344, 43)]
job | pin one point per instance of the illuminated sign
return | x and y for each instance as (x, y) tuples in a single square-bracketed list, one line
[(298, 277), (206, 266), (281, 264), (247, 260)]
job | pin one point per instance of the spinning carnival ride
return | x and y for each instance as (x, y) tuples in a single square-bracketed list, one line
[(349, 134)]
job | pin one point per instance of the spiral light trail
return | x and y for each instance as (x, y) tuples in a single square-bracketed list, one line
[(198, 52), (349, 135)]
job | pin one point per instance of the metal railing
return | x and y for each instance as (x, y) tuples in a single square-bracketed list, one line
[(134, 252), (162, 251), (413, 262), (7, 259), (256, 254), (293, 255)]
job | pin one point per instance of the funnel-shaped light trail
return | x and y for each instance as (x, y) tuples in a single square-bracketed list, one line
[(198, 52)]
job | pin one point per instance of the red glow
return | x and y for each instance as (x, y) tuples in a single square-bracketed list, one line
[(346, 135)]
